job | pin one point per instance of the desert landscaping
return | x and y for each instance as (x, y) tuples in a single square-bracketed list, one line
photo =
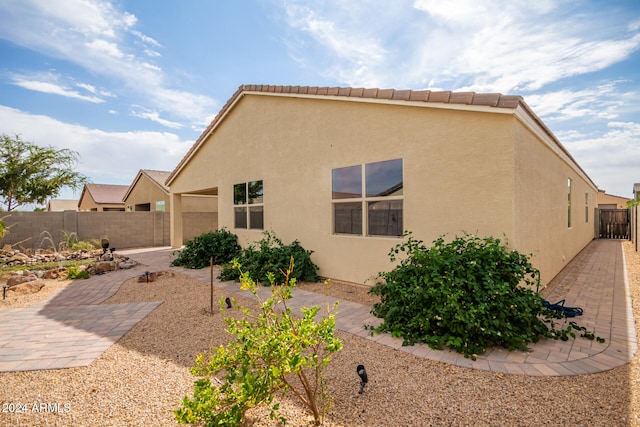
[(142, 378)]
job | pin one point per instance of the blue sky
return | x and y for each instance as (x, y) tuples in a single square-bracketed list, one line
[(131, 84)]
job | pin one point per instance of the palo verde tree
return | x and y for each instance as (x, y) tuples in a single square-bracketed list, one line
[(32, 174)]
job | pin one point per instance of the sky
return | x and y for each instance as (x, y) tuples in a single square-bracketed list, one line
[(131, 84)]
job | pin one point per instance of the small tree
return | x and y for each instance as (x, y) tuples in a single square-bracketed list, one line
[(32, 174), (271, 350)]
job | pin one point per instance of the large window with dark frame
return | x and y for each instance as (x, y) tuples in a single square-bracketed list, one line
[(248, 205), (368, 199)]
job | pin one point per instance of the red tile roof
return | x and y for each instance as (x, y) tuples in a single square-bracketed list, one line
[(106, 193)]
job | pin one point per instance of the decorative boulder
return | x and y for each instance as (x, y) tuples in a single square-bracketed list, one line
[(147, 277), (55, 273), (104, 266), (15, 280), (127, 265), (27, 287)]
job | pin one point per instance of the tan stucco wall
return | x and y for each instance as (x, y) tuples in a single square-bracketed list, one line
[(541, 203), (194, 203), (87, 204), (146, 191), (460, 171), (608, 201)]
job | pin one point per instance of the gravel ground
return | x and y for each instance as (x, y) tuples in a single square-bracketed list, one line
[(143, 377), (51, 287)]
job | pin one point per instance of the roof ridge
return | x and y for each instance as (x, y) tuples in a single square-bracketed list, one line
[(493, 99)]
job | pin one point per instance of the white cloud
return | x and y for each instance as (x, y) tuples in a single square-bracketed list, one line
[(102, 39), (106, 157), (353, 51), (611, 159), (146, 39), (601, 102), (95, 90), (53, 88), (487, 46), (154, 116)]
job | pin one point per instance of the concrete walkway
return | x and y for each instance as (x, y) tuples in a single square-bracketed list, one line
[(73, 328)]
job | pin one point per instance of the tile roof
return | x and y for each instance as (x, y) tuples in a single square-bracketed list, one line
[(59, 205), (107, 193), (492, 100), (157, 177)]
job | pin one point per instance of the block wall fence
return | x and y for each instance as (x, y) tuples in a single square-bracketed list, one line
[(125, 230), (635, 222)]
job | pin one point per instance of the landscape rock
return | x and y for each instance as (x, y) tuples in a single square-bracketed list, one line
[(17, 279), (27, 287), (104, 266), (55, 273), (127, 265)]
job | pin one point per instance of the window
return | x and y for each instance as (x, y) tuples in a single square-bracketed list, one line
[(248, 205), (586, 207), (160, 206), (569, 182), (368, 194)]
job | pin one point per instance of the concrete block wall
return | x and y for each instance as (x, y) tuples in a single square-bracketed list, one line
[(635, 222), (196, 223), (124, 230)]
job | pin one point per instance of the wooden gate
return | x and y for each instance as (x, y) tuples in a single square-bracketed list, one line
[(614, 224)]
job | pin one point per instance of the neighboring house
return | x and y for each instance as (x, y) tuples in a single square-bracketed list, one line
[(102, 197), (60, 205), (148, 192), (609, 201), (345, 171)]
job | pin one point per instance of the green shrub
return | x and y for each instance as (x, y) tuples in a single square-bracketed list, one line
[(222, 245), (271, 255), (270, 349), (73, 272), (470, 294)]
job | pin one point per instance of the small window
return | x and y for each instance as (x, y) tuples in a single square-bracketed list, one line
[(248, 205), (586, 207), (569, 185), (385, 218), (160, 206), (347, 218), (384, 178), (347, 182)]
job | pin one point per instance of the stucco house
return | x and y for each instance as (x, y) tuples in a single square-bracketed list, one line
[(149, 193), (61, 205), (102, 197), (611, 201), (347, 170)]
